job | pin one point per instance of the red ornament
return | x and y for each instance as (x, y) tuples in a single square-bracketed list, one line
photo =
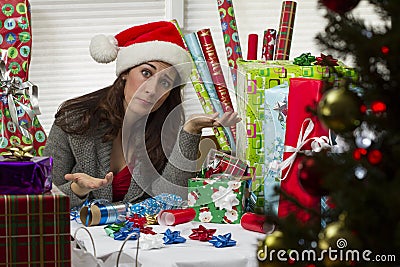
[(363, 109), (310, 177), (378, 107), (374, 156), (340, 6), (385, 50), (359, 152)]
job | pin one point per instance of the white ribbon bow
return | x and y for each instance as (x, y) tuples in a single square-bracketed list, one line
[(317, 144)]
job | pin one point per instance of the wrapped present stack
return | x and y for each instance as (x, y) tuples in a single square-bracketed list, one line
[(35, 229), (274, 98), (19, 97), (219, 193)]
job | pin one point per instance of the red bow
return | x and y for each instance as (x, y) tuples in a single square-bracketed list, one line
[(328, 60), (202, 233), (138, 221)]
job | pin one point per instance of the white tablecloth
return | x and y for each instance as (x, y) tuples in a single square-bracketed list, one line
[(189, 254)]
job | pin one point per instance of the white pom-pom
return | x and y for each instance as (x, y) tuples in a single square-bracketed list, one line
[(103, 49)]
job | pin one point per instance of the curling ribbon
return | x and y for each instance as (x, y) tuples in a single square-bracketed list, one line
[(317, 144), (101, 211), (176, 216), (222, 241)]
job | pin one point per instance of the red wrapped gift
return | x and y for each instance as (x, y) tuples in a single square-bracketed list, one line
[(35, 230), (17, 36), (302, 131)]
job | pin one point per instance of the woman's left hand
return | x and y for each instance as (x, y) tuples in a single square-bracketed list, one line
[(197, 122)]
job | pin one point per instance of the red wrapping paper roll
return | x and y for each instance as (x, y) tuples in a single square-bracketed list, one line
[(176, 216), (256, 223), (252, 46), (217, 75), (231, 35), (285, 33), (269, 41)]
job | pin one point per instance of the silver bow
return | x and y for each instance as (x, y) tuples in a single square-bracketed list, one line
[(13, 87)]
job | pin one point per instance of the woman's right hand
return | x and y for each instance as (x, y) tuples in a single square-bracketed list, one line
[(82, 183)]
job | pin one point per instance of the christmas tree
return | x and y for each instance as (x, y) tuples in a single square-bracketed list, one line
[(359, 177)]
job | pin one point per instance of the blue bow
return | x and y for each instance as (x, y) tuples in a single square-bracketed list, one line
[(221, 241), (125, 231), (173, 237)]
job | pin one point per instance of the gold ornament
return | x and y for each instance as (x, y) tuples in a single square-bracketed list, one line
[(337, 237), (274, 241), (339, 110)]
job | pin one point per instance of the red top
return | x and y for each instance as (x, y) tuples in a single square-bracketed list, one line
[(120, 184)]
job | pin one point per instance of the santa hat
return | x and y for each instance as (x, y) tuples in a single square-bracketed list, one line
[(155, 41)]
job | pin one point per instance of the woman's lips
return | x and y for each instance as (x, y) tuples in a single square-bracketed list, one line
[(143, 101)]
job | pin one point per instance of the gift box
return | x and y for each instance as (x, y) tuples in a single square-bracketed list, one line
[(25, 177), (218, 162), (276, 107), (35, 230), (16, 36), (219, 199), (254, 78), (304, 134)]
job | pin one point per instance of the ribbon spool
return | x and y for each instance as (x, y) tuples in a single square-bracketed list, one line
[(177, 216), (100, 212)]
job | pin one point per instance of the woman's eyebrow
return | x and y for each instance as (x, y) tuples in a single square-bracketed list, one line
[(151, 65)]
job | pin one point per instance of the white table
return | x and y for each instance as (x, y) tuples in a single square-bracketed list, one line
[(189, 254)]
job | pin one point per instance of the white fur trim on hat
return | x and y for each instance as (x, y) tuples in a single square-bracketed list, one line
[(103, 49), (139, 53)]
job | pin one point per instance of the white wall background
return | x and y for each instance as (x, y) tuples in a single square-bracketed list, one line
[(61, 65)]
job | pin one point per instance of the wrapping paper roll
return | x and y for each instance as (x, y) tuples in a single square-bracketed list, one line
[(231, 35), (200, 62), (256, 223), (176, 216), (269, 41), (205, 100), (252, 45), (215, 69), (285, 33)]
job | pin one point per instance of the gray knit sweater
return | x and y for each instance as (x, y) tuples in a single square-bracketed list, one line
[(88, 154)]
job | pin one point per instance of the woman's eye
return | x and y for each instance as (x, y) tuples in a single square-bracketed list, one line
[(165, 84), (146, 73)]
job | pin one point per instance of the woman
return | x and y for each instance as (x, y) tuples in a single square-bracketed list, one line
[(99, 139)]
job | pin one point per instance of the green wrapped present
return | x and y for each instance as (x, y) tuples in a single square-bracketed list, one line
[(219, 199)]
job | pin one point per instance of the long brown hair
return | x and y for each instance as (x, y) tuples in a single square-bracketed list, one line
[(105, 108)]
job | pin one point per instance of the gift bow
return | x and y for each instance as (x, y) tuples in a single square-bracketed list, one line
[(305, 59), (221, 241), (328, 60), (124, 232), (14, 87), (18, 152), (151, 241), (173, 237), (202, 233), (317, 144)]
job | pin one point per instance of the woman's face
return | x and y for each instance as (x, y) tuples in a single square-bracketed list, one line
[(148, 85)]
